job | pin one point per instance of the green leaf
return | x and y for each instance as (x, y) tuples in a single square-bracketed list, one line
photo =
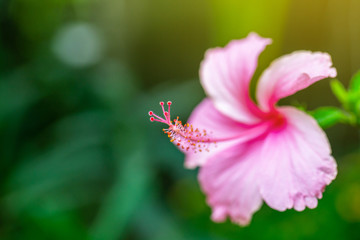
[(354, 94), (340, 92), (329, 116), (354, 85)]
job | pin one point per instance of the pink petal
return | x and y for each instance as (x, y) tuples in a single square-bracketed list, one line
[(297, 163), (287, 168), (230, 182), (291, 73), (225, 74), (221, 129)]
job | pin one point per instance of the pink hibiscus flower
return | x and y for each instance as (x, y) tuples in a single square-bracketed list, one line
[(252, 153)]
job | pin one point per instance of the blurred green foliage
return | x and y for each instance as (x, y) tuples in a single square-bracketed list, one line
[(349, 100), (329, 116), (79, 158)]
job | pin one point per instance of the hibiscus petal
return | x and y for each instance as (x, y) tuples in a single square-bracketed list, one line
[(222, 132), (291, 73), (229, 180), (225, 74), (297, 163)]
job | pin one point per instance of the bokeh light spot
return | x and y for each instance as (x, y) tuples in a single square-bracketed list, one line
[(78, 45)]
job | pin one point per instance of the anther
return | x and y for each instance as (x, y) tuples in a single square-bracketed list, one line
[(169, 103), (152, 119), (151, 113), (162, 103)]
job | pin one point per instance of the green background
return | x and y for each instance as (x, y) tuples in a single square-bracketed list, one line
[(79, 158)]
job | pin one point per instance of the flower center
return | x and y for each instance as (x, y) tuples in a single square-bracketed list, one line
[(277, 120), (185, 136)]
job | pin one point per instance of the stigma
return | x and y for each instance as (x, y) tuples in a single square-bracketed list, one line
[(184, 136)]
